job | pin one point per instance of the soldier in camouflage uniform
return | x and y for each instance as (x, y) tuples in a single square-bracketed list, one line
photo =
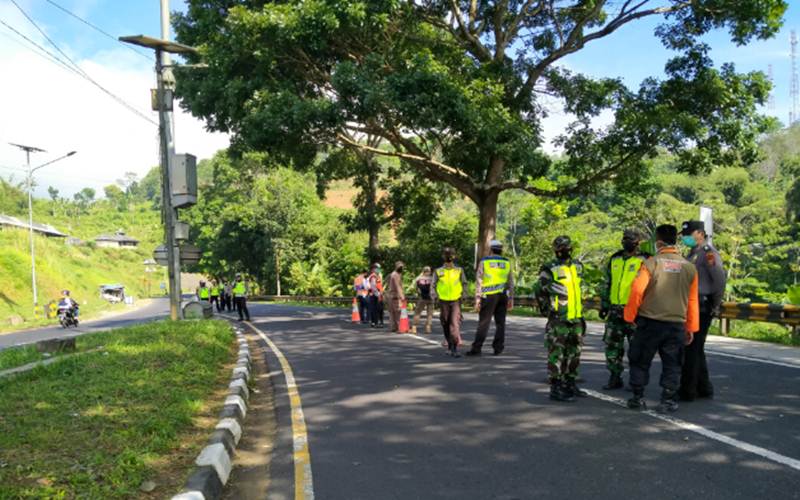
[(620, 272), (558, 292)]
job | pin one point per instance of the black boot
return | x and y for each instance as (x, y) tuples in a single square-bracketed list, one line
[(573, 389), (637, 402), (614, 382), (557, 393), (669, 402)]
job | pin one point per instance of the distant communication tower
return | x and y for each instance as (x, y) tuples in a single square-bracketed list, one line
[(795, 89), (771, 77)]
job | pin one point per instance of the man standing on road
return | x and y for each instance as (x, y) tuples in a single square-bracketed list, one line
[(227, 296), (494, 296), (558, 292), (663, 303), (395, 295), (621, 270), (240, 298), (375, 296), (361, 287), (424, 299), (203, 293), (695, 382), (449, 287), (215, 295)]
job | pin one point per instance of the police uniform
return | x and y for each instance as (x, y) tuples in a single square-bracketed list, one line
[(494, 287), (695, 381), (621, 271), (449, 286), (240, 299), (558, 292)]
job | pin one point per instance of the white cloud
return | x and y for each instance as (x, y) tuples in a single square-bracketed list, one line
[(44, 105)]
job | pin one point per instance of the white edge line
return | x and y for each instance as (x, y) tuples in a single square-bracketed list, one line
[(750, 358)]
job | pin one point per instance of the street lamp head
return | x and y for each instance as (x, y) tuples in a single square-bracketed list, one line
[(71, 153)]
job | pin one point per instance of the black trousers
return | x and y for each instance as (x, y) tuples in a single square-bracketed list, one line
[(664, 338), (215, 300), (241, 307), (363, 308), (492, 306), (229, 303), (375, 310), (694, 376)]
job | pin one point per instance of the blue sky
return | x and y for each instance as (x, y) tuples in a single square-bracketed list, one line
[(111, 140)]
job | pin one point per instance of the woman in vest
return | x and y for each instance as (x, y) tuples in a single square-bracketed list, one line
[(449, 287)]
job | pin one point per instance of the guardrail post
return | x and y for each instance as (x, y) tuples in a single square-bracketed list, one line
[(724, 326), (796, 332)]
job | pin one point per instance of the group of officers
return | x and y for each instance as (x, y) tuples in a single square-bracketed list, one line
[(227, 296), (662, 303)]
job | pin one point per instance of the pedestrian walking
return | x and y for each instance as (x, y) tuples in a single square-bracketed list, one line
[(560, 298), (621, 270), (215, 295), (395, 296), (227, 295), (240, 292), (375, 296), (664, 305), (494, 292), (711, 281), (361, 287), (423, 284), (449, 288)]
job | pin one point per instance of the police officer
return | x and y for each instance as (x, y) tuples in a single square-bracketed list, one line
[(449, 287), (240, 297), (558, 292), (711, 276), (663, 304), (494, 296), (215, 295), (203, 293), (621, 270)]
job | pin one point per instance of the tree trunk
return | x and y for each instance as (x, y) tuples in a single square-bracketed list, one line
[(373, 217), (487, 209)]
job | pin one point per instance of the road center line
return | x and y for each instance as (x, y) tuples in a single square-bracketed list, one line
[(303, 481)]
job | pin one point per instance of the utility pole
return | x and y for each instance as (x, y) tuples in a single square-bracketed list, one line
[(28, 150), (794, 90)]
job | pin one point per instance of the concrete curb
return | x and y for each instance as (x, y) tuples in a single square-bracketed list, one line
[(214, 464)]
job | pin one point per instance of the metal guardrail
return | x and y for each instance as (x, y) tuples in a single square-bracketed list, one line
[(782, 314)]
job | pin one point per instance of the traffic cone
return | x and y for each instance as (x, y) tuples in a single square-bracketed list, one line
[(356, 318), (402, 327)]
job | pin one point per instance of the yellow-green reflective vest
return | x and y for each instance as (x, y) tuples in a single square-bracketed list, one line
[(569, 278), (203, 293), (239, 289), (448, 284), (215, 291), (623, 272), (495, 275)]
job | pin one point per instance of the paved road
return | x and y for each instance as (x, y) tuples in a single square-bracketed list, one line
[(155, 309), (390, 417)]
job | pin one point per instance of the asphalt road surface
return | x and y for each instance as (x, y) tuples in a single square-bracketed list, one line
[(155, 309), (391, 417)]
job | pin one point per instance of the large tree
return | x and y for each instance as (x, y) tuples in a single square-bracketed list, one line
[(456, 88)]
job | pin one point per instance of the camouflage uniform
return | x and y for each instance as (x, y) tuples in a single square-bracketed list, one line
[(563, 337)]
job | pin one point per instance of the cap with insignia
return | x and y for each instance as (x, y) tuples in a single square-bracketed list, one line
[(690, 226)]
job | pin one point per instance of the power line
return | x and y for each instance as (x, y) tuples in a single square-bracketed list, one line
[(44, 52), (98, 29), (80, 70)]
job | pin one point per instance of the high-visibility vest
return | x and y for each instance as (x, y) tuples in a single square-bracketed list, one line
[(448, 284), (623, 272), (495, 275), (239, 289), (570, 279), (214, 291), (203, 292)]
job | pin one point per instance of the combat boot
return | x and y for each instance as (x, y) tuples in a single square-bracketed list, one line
[(669, 402), (574, 390), (614, 382), (557, 393), (637, 402)]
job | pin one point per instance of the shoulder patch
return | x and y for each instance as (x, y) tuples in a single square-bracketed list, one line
[(711, 259)]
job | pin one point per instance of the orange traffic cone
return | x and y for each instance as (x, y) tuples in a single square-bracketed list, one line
[(356, 318), (402, 327)]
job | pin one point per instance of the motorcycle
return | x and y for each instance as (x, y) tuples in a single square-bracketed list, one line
[(67, 316)]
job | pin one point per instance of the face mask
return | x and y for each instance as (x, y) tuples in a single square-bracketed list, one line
[(448, 258), (629, 246), (689, 241), (400, 269), (564, 254)]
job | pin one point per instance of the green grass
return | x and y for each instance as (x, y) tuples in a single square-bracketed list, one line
[(18, 356), (97, 425), (764, 332)]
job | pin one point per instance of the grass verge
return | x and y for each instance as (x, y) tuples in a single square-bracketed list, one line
[(99, 424)]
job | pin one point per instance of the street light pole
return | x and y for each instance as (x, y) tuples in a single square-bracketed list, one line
[(28, 150)]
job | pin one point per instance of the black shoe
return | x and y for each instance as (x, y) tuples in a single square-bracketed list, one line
[(637, 403), (473, 352), (454, 353), (667, 406), (557, 393), (498, 352), (573, 389), (614, 382)]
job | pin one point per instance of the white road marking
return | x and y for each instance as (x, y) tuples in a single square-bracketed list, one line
[(750, 358)]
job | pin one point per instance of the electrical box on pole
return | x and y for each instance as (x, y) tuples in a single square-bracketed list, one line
[(181, 231), (184, 180), (168, 98)]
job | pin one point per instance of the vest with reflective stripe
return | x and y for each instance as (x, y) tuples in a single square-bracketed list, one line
[(495, 275), (570, 279), (239, 289), (623, 272), (203, 293), (215, 291), (448, 284)]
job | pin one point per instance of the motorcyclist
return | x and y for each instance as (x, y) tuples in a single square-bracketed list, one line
[(68, 305)]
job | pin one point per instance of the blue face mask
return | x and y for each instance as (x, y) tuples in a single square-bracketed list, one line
[(689, 241)]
